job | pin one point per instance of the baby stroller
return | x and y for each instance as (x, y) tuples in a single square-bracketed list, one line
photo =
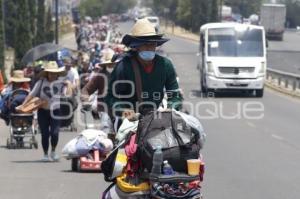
[(68, 106), (22, 129)]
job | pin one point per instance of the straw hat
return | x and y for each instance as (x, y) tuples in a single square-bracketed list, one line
[(143, 32), (52, 67), (18, 77), (107, 57)]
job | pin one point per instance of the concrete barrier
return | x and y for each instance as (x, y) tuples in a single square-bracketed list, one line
[(285, 82)]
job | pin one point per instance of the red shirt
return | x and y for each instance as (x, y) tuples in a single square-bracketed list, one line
[(149, 68)]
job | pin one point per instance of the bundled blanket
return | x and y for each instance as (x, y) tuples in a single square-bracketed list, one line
[(87, 140)]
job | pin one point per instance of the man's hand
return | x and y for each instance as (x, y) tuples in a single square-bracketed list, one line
[(67, 83), (84, 98), (129, 114)]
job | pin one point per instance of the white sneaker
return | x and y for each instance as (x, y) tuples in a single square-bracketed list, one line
[(54, 156), (45, 158)]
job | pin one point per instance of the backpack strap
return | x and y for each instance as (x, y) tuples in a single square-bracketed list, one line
[(174, 130), (40, 89), (138, 79), (104, 194)]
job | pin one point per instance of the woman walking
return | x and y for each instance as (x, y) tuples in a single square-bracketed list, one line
[(49, 88)]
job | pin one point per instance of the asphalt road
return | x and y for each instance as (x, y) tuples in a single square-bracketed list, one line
[(246, 158), (284, 55)]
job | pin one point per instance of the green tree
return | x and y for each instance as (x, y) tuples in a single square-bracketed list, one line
[(32, 15), (201, 13), (244, 7), (10, 22), (41, 34), (214, 11), (117, 6), (91, 8), (192, 14), (49, 26), (23, 40), (184, 13), (292, 10), (2, 49), (96, 8), (147, 3), (160, 6)]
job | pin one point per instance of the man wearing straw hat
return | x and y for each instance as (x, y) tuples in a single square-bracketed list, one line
[(49, 89), (97, 85), (157, 74), (17, 82)]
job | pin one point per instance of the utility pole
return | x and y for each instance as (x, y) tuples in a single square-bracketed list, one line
[(3, 23), (56, 22)]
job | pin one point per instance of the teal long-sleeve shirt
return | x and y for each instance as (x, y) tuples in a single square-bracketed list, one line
[(162, 79)]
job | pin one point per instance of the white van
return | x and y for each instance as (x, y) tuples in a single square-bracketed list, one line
[(232, 57)]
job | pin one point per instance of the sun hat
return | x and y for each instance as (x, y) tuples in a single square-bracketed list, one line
[(107, 57), (143, 32), (18, 77), (52, 67)]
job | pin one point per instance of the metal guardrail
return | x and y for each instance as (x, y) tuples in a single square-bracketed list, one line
[(285, 78)]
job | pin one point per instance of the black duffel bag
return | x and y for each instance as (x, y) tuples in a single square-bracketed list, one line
[(168, 130)]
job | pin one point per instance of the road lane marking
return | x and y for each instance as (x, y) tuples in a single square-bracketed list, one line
[(285, 142), (277, 137)]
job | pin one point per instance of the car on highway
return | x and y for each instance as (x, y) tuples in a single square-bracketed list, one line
[(232, 56)]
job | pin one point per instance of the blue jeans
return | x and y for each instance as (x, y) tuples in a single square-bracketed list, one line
[(49, 128)]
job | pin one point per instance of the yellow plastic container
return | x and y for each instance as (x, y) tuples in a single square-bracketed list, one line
[(193, 166), (129, 188)]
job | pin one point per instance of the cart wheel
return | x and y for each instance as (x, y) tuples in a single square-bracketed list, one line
[(78, 165), (33, 142), (35, 145), (13, 145), (74, 162), (73, 127), (8, 144), (21, 144)]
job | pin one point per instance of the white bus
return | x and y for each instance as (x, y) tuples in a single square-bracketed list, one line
[(232, 57)]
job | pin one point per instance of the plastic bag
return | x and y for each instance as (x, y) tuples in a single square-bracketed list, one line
[(126, 127), (69, 149), (194, 123)]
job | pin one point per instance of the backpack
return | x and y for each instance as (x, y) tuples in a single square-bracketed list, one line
[(179, 141)]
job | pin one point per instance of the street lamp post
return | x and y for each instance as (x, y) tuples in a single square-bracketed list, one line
[(3, 23), (56, 22)]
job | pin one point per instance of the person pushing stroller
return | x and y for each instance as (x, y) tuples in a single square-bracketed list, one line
[(49, 88)]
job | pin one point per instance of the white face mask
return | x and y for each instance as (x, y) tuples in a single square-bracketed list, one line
[(147, 55), (109, 69)]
